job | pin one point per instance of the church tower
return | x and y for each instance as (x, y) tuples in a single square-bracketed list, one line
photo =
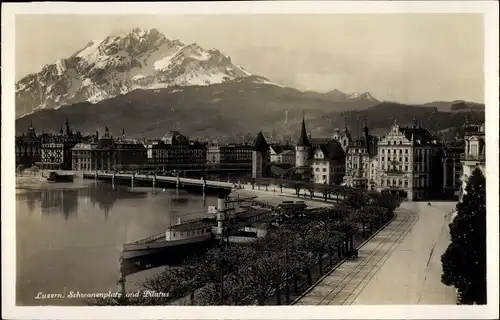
[(345, 138), (260, 156), (303, 148)]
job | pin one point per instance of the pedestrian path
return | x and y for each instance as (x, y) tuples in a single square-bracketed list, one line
[(342, 285)]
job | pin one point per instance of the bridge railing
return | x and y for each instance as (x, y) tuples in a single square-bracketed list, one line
[(160, 178)]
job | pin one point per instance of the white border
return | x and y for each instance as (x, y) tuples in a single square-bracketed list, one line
[(10, 311)]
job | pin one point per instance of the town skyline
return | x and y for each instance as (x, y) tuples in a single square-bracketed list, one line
[(430, 68)]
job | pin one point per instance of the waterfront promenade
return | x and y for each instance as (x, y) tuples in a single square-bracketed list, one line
[(399, 265), (274, 197)]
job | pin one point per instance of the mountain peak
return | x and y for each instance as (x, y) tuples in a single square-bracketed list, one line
[(361, 96), (138, 59), (336, 94)]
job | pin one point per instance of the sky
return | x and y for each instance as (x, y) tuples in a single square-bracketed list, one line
[(412, 58)]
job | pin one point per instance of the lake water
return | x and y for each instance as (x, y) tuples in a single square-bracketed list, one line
[(69, 237)]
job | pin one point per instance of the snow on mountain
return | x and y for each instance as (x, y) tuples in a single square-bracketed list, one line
[(140, 59), (359, 96)]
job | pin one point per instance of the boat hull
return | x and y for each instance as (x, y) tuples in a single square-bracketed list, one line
[(174, 249), (55, 177)]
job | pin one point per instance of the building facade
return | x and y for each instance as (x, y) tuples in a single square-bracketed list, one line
[(359, 152), (342, 136), (108, 154), (282, 154), (57, 149), (407, 161), (475, 152), (230, 154), (452, 154), (28, 148), (303, 153), (260, 157), (373, 176), (176, 149), (328, 163)]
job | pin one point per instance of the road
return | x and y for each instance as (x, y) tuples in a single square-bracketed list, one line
[(399, 265), (273, 196)]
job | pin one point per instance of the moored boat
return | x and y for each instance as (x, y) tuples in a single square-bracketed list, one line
[(58, 177)]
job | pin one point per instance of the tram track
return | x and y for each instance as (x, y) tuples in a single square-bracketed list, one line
[(369, 265), (379, 265)]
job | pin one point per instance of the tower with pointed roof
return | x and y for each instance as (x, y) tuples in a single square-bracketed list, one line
[(68, 130), (303, 148), (345, 137), (260, 156)]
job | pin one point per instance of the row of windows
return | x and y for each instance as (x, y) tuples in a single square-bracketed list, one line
[(192, 233), (395, 182), (395, 151), (394, 168), (400, 142), (400, 159)]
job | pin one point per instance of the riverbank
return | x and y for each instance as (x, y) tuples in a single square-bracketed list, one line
[(31, 180)]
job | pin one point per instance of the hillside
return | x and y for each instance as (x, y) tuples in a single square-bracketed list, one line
[(240, 106)]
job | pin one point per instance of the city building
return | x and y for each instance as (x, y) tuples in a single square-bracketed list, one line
[(407, 162), (452, 154), (235, 154), (176, 149), (57, 149), (475, 152), (373, 176), (28, 148), (108, 154), (303, 153), (328, 163), (260, 157), (359, 152), (282, 154), (342, 136)]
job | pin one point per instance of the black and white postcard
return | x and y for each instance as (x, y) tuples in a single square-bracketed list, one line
[(253, 160)]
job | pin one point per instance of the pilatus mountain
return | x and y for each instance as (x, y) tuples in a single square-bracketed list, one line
[(148, 84)]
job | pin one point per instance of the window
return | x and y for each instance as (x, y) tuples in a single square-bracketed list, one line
[(401, 182), (383, 158), (400, 159), (389, 159), (383, 151), (324, 169), (406, 151), (388, 150), (324, 177), (400, 151), (406, 168), (174, 234), (406, 159), (406, 183), (400, 142)]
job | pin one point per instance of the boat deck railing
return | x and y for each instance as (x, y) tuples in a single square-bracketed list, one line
[(150, 238)]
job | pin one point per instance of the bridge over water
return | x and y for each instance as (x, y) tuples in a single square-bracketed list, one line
[(157, 180)]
